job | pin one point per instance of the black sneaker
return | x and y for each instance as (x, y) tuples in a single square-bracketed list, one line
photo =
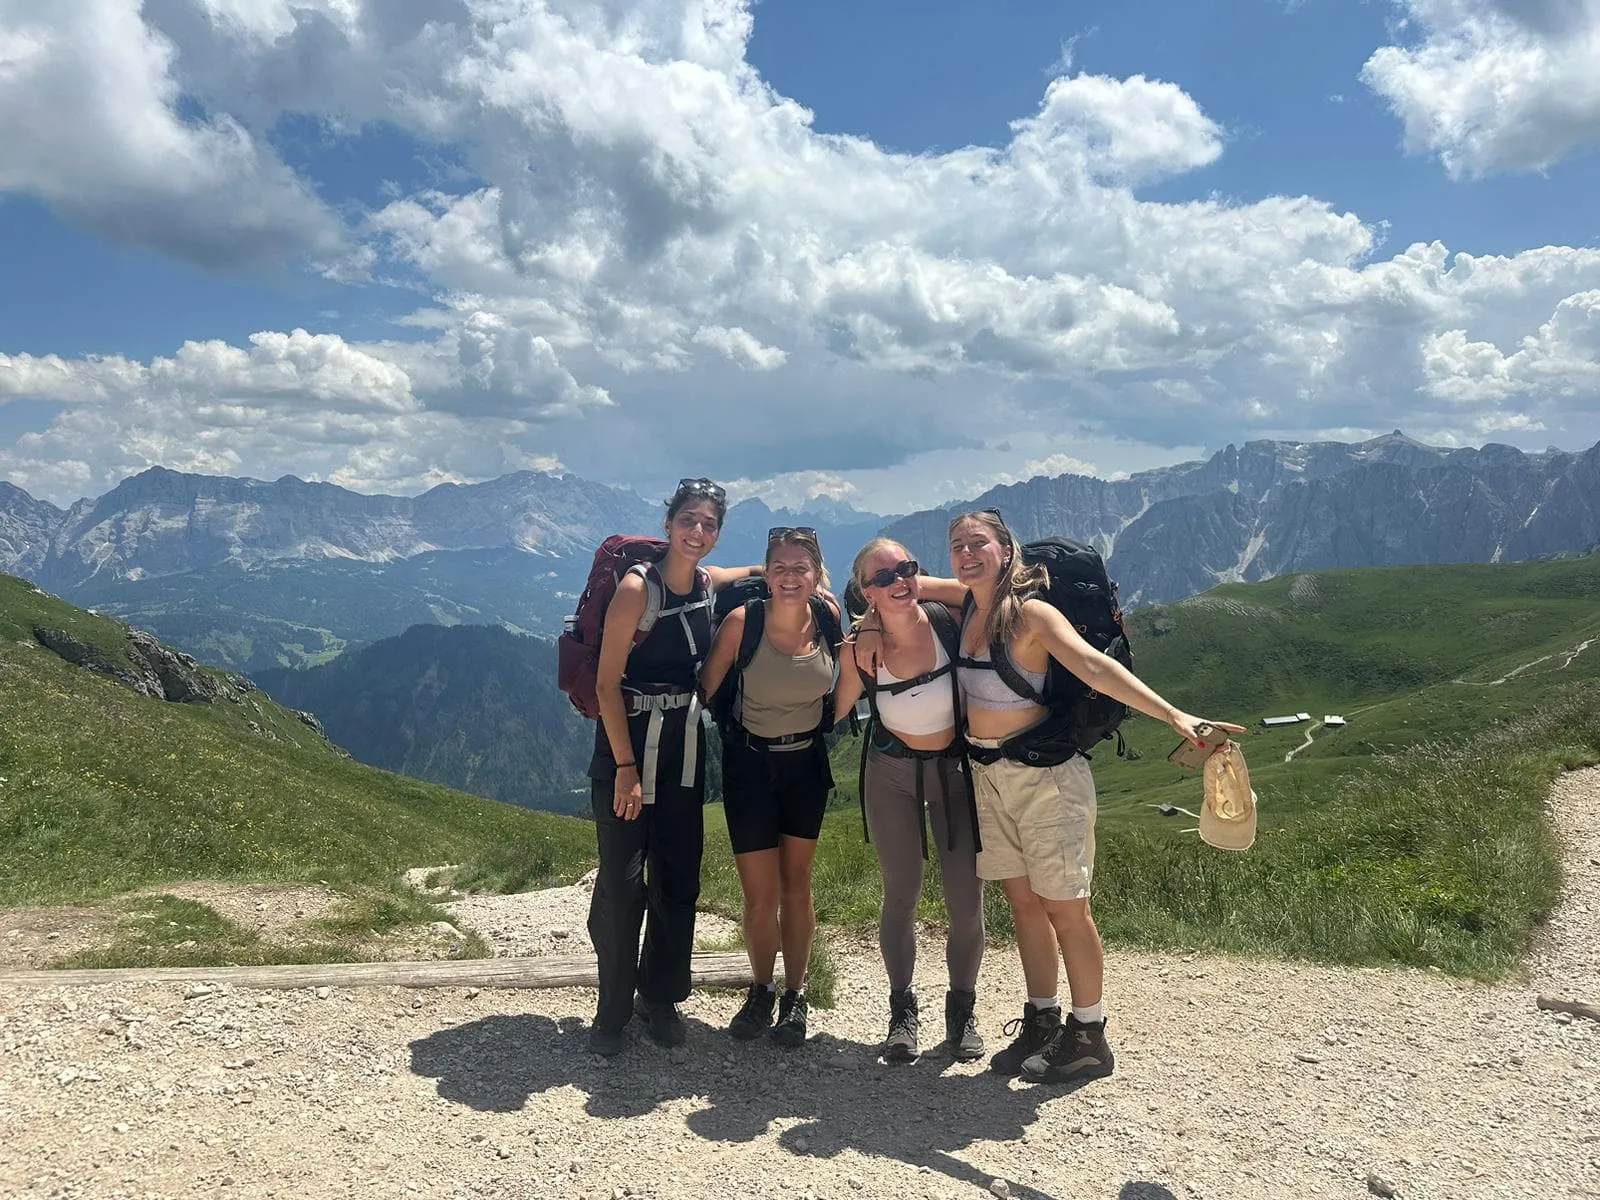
[(1034, 1030), (755, 1018), (1081, 1052), (662, 1021), (901, 1044), (790, 1031), (607, 1043), (961, 1036)]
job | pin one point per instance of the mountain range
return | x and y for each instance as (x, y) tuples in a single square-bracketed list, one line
[(251, 575), (1274, 508)]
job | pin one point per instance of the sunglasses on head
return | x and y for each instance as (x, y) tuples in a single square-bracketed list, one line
[(778, 532), (702, 487), (887, 576)]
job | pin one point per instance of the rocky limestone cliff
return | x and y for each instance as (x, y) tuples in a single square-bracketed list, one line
[(162, 673), (26, 526)]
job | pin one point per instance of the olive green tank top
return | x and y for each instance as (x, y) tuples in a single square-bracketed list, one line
[(783, 694)]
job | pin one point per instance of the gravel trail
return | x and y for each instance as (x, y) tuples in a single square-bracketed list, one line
[(1235, 1078)]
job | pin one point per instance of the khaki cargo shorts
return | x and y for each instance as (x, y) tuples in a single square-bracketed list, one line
[(1038, 822)]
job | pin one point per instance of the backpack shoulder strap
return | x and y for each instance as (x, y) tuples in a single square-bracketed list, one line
[(755, 624), (945, 627), (1000, 656), (653, 593), (827, 623)]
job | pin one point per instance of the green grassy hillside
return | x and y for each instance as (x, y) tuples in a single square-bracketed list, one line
[(103, 790)]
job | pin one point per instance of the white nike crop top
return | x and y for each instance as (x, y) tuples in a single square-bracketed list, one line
[(927, 708)]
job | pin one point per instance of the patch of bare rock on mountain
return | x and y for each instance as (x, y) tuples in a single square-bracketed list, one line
[(1235, 1078)]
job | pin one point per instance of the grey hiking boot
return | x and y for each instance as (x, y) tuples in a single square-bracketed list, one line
[(755, 1017), (1081, 1052), (790, 1031), (961, 1036), (1033, 1031), (901, 1044)]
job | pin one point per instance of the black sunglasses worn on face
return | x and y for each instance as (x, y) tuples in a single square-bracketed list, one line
[(887, 576), (778, 532), (702, 487)]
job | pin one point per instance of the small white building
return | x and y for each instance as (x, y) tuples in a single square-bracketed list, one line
[(1333, 722), (1274, 722)]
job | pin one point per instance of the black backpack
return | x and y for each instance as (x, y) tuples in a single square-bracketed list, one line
[(1080, 718), (752, 594)]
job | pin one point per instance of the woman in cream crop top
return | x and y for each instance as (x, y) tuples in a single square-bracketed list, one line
[(982, 687)]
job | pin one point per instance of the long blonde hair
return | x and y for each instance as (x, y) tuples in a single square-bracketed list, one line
[(1016, 579)]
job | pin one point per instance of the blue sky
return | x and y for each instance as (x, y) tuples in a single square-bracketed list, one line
[(606, 236)]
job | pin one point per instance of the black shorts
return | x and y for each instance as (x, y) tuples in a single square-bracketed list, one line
[(773, 794)]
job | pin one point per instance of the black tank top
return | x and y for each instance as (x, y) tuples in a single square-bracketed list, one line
[(673, 650)]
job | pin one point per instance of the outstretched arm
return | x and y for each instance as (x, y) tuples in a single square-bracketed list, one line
[(1105, 674), (721, 577), (945, 591)]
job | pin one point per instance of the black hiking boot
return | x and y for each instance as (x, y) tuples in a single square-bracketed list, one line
[(755, 1018), (901, 1044), (607, 1043), (662, 1021), (961, 1036), (1081, 1052), (1034, 1030), (790, 1031)]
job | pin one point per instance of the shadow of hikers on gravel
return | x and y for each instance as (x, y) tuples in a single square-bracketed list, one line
[(837, 1091)]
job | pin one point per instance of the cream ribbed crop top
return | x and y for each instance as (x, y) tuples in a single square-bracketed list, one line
[(982, 687)]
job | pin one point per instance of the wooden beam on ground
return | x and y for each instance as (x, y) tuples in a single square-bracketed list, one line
[(720, 969), (1574, 1007)]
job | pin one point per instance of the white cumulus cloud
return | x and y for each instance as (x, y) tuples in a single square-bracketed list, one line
[(1494, 85)]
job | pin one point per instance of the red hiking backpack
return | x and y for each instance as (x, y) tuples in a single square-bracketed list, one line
[(578, 648)]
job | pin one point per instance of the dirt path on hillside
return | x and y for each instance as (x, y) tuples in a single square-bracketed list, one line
[(1235, 1079)]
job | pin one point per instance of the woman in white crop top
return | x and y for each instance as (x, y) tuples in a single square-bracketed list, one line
[(914, 762), (1036, 810)]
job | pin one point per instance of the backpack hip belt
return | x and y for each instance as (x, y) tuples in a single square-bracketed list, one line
[(1020, 747), (756, 742), (658, 705)]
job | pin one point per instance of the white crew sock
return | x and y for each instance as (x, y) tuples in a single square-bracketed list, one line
[(1043, 1002), (1092, 1015)]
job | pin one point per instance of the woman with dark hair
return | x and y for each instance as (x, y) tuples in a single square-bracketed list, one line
[(648, 775), (1036, 811), (776, 658), (901, 653)]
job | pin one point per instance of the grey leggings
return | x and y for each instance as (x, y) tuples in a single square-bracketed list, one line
[(895, 824)]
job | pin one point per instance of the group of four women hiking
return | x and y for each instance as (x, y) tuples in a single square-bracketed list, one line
[(944, 721)]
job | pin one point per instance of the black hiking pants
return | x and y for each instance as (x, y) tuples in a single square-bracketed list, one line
[(649, 875)]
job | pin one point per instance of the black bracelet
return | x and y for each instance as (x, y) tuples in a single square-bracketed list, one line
[(620, 766)]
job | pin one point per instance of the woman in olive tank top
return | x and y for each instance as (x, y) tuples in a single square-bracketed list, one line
[(775, 773)]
